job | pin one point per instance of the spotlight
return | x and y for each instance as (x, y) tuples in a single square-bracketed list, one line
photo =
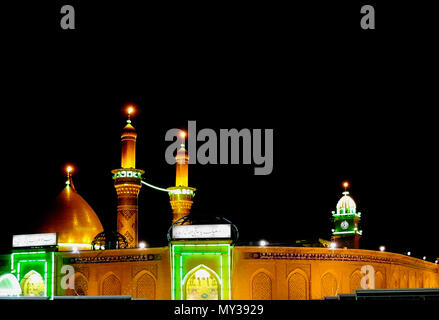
[(424, 258), (333, 245), (75, 250), (409, 253), (382, 248), (263, 243), (142, 245)]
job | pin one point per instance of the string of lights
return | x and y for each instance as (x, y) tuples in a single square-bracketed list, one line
[(154, 187)]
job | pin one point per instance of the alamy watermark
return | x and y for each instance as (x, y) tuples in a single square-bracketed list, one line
[(368, 280), (246, 144), (68, 281)]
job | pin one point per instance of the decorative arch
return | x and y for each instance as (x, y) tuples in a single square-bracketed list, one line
[(379, 280), (261, 285), (329, 285), (355, 280), (201, 283), (111, 285), (81, 286), (298, 285), (9, 285), (144, 285), (33, 284)]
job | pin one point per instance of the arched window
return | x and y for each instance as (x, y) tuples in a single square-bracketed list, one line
[(329, 285), (81, 286), (261, 287), (297, 286), (355, 281), (111, 286), (145, 287)]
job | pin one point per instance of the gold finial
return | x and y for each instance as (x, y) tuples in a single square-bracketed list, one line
[(130, 110), (182, 136), (69, 182), (345, 186)]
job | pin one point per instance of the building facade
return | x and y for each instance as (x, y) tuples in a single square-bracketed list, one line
[(66, 259)]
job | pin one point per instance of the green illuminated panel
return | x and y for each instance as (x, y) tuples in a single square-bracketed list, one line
[(127, 174), (204, 261), (35, 271)]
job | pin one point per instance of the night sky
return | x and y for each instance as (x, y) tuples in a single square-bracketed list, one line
[(344, 105)]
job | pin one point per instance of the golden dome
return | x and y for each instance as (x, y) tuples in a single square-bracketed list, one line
[(346, 204), (74, 220)]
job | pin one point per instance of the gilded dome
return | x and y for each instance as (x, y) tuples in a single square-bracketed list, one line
[(74, 220), (346, 204)]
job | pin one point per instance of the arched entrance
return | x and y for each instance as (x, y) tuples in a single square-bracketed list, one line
[(33, 285), (9, 285), (201, 283)]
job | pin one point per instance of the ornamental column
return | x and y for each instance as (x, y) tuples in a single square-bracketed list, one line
[(181, 196), (127, 181)]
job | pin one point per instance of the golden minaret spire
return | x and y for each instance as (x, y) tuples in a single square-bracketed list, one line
[(129, 136), (182, 162), (181, 196), (127, 182), (69, 182)]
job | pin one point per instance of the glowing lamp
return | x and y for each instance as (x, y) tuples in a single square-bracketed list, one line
[(382, 248), (69, 169), (182, 134), (142, 245), (333, 245), (424, 258), (130, 110), (409, 253), (263, 243)]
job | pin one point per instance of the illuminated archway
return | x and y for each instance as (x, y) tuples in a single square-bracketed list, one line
[(9, 285), (201, 283), (33, 285)]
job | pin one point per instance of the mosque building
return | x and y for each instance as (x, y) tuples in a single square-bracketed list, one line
[(201, 261)]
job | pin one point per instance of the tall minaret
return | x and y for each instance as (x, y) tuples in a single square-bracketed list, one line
[(181, 196), (346, 219), (127, 182)]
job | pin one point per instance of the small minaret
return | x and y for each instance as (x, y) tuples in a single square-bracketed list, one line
[(127, 182), (181, 196), (346, 222)]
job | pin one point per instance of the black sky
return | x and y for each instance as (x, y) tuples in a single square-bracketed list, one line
[(344, 105)]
